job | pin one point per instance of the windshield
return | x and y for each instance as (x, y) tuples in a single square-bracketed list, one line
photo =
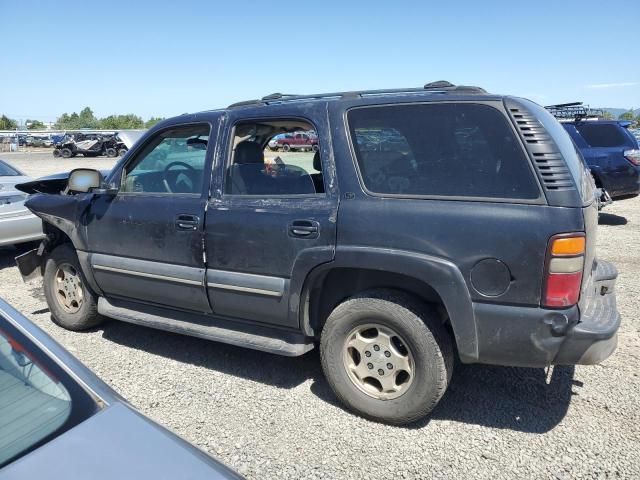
[(7, 171), (38, 400)]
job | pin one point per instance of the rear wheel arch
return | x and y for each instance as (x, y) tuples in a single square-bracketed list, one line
[(331, 284)]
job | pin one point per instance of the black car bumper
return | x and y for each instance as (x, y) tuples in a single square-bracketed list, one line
[(537, 337)]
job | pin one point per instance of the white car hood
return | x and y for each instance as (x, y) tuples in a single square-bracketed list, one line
[(130, 137)]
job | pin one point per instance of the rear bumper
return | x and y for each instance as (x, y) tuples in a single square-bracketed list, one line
[(621, 188), (537, 337)]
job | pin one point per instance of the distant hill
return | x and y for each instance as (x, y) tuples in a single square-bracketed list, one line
[(616, 112)]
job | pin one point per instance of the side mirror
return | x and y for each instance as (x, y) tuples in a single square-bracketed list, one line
[(83, 180)]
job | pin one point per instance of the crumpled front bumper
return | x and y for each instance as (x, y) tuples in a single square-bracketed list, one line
[(538, 337)]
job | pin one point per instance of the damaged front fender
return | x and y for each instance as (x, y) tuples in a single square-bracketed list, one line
[(65, 212)]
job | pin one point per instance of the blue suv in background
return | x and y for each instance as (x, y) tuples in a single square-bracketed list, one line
[(612, 154), (608, 147)]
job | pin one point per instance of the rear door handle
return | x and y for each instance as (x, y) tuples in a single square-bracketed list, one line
[(187, 222), (304, 229)]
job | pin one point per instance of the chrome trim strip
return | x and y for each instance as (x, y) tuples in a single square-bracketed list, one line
[(147, 275), (246, 282), (244, 289)]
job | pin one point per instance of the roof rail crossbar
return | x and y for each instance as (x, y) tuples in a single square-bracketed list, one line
[(441, 86), (574, 111)]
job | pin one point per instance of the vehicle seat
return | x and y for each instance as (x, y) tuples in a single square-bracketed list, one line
[(318, 181), (246, 175)]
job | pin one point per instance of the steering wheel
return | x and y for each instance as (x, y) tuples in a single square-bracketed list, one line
[(169, 167)]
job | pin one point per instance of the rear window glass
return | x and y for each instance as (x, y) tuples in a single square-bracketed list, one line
[(38, 400), (602, 135), (462, 150)]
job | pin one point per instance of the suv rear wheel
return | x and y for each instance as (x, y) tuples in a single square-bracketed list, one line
[(387, 356), (73, 305)]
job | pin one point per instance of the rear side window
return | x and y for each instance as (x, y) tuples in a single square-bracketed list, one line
[(440, 149), (602, 135)]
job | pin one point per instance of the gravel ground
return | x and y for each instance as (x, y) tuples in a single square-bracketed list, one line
[(275, 417)]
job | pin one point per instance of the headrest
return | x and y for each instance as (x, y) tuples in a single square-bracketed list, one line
[(248, 152), (317, 165)]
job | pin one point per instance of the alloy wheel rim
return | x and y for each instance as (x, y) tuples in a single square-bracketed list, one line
[(68, 288), (378, 361)]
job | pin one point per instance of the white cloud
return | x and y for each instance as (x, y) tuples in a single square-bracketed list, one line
[(613, 85)]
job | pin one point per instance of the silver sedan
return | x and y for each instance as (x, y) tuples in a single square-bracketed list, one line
[(17, 224), (58, 420)]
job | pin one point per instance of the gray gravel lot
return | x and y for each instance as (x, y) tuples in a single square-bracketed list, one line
[(275, 417)]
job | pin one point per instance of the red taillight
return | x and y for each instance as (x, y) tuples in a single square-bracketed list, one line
[(563, 270), (633, 156), (563, 289)]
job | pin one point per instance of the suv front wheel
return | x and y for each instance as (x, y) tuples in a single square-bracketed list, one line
[(72, 304), (387, 356)]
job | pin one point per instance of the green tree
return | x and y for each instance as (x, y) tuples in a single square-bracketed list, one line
[(607, 115), (152, 121), (87, 119), (121, 122), (34, 125), (7, 123), (627, 116)]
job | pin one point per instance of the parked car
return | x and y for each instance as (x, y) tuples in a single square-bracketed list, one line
[(611, 152), (295, 141), (60, 421), (17, 224), (471, 233)]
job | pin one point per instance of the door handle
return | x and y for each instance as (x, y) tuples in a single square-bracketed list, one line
[(187, 222), (304, 229)]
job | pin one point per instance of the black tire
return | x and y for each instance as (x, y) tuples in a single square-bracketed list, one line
[(111, 152), (56, 153), (66, 153), (285, 147), (87, 315), (122, 152), (425, 337)]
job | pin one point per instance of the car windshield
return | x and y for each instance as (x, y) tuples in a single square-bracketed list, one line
[(38, 400), (8, 171)]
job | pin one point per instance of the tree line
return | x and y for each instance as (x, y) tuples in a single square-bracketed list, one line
[(84, 119)]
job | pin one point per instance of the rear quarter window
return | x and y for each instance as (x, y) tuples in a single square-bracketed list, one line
[(602, 135), (440, 149)]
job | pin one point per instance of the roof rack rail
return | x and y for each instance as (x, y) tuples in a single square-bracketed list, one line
[(574, 111), (441, 86)]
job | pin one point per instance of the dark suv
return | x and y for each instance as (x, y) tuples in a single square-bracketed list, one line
[(433, 223)]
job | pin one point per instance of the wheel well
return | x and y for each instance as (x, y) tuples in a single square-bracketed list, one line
[(338, 284), (54, 237)]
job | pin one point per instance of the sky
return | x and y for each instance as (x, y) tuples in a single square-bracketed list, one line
[(164, 58)]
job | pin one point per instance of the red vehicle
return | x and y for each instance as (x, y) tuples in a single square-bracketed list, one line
[(295, 141)]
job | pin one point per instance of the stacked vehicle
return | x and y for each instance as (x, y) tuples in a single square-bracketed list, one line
[(93, 145)]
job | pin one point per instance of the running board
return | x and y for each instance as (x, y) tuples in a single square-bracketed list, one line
[(257, 337)]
